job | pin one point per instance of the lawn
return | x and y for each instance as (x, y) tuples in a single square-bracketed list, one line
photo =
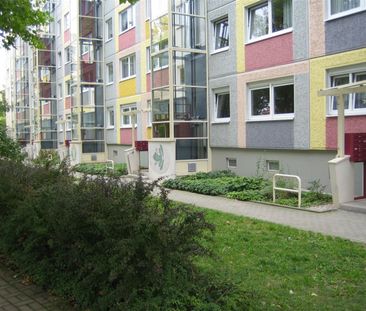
[(287, 269)]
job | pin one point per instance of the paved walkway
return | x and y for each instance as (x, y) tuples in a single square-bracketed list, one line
[(16, 296), (344, 224)]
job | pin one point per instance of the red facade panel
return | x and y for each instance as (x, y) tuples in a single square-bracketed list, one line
[(270, 52)]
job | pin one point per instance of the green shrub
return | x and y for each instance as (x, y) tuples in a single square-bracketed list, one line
[(107, 245), (249, 195), (101, 169), (47, 159)]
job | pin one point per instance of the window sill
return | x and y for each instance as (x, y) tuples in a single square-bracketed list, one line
[(220, 50), (272, 35), (348, 114), (108, 40), (215, 122), (271, 119), (109, 83), (110, 128), (344, 14), (127, 78), (127, 30)]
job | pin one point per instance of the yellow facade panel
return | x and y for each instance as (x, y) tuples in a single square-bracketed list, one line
[(127, 88)]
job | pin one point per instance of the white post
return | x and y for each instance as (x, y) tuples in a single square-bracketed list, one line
[(340, 126)]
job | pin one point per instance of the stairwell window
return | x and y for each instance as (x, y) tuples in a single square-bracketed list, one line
[(109, 77), (128, 115), (269, 18), (353, 103), (338, 8), (271, 102), (108, 29)]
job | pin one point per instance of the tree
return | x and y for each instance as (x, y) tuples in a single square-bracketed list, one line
[(20, 18)]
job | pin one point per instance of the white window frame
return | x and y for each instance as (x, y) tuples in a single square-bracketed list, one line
[(218, 92), (108, 34), (130, 74), (271, 85), (131, 19), (108, 71), (67, 21), (127, 108), (270, 163), (58, 30), (215, 23), (270, 31), (351, 72), (148, 59), (60, 90), (110, 125), (228, 162), (67, 55), (59, 59), (68, 88), (331, 16), (149, 113), (147, 9)]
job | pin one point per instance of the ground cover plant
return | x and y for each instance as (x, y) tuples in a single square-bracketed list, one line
[(101, 169), (285, 268), (108, 245), (226, 183)]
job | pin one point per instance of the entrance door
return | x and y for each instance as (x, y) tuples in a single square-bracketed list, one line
[(359, 169)]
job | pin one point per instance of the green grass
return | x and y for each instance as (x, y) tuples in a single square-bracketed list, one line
[(100, 168), (285, 268)]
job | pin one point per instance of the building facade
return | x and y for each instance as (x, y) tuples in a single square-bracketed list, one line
[(224, 84)]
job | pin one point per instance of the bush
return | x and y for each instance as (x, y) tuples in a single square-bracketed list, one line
[(48, 159), (101, 169), (107, 245)]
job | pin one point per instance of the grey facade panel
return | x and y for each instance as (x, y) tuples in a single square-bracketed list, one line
[(222, 63), (117, 153), (223, 134), (109, 47), (270, 134), (254, 162), (300, 29), (346, 33), (217, 4), (302, 111)]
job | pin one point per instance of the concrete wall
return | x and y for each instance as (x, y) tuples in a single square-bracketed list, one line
[(300, 24), (346, 33), (309, 165)]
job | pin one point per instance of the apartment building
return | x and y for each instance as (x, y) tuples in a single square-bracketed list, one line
[(202, 85)]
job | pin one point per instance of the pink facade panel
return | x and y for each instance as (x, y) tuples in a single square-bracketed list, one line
[(148, 82), (126, 136), (353, 124), (161, 77), (68, 102), (67, 35), (270, 52), (127, 39)]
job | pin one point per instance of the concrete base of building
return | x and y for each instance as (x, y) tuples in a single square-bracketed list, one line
[(309, 165)]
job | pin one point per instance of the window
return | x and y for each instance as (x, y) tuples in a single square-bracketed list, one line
[(353, 103), (127, 115), (67, 21), (109, 29), (148, 59), (60, 90), (273, 166), (274, 101), (59, 59), (222, 106), (149, 113), (109, 70), (337, 8), (68, 88), (147, 9), (128, 66), (58, 28), (67, 55), (221, 32), (110, 118), (127, 19), (277, 13)]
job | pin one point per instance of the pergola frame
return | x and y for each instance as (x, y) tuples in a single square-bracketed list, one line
[(339, 92)]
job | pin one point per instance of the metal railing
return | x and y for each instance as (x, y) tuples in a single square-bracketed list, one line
[(298, 190)]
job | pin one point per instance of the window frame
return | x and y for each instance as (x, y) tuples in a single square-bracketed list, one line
[(215, 23), (351, 73), (67, 53), (149, 113), (148, 59), (68, 88), (109, 34), (131, 14), (271, 85), (67, 21), (130, 76), (109, 124), (331, 16), (270, 33), (108, 71), (129, 107), (217, 93)]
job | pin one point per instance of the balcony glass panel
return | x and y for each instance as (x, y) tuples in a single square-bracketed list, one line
[(161, 130), (194, 7), (91, 27), (189, 32), (190, 103), (92, 8), (160, 105), (190, 129), (189, 68), (191, 149)]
